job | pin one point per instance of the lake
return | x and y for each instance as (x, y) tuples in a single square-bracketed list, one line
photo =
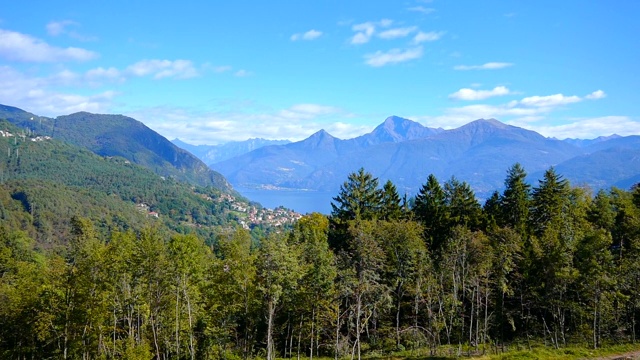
[(300, 201)]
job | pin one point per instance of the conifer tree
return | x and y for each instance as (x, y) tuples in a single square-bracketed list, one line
[(391, 207), (463, 207), (515, 201), (431, 210), (359, 199)]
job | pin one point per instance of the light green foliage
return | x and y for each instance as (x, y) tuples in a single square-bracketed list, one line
[(279, 271)]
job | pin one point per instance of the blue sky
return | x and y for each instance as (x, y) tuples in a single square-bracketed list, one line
[(209, 72)]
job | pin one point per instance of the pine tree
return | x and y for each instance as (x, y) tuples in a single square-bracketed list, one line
[(515, 200), (431, 211), (359, 199), (463, 207), (391, 207)]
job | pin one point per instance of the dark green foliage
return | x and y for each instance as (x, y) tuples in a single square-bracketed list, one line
[(431, 210), (463, 208), (515, 201), (391, 206), (359, 199)]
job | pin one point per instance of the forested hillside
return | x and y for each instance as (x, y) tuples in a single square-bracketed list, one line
[(45, 182), (548, 263), (118, 135)]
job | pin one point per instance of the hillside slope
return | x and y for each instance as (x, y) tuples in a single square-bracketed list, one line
[(117, 135)]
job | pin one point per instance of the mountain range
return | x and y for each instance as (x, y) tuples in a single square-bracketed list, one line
[(212, 154), (400, 150), (117, 173), (406, 152), (118, 135)]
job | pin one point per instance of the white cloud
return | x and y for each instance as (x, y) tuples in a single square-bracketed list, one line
[(422, 9), (309, 35), (34, 94), (486, 66), (363, 34), (427, 36), (549, 100), (179, 69), (307, 111), (397, 32), (242, 73), (598, 94), (529, 112), (294, 123), (393, 56), (21, 47), (471, 94), (385, 22), (64, 77), (55, 28), (222, 68), (591, 128), (110, 73), (365, 31)]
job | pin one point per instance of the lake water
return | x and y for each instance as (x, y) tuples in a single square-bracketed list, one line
[(300, 201)]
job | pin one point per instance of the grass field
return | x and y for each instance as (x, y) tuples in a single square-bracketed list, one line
[(627, 351)]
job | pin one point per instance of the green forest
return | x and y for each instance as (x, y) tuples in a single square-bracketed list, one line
[(546, 263)]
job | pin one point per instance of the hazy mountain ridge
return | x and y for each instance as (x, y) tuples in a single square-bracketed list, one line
[(479, 152), (211, 154)]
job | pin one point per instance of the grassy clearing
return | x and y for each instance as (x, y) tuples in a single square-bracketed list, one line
[(536, 353)]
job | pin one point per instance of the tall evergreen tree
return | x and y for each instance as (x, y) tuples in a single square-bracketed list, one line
[(549, 200), (359, 199), (492, 211), (515, 201), (430, 209), (391, 206), (463, 207)]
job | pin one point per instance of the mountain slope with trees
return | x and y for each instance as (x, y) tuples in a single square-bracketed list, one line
[(117, 135), (46, 182)]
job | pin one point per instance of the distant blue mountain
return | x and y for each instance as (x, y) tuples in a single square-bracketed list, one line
[(588, 142), (211, 154), (406, 152)]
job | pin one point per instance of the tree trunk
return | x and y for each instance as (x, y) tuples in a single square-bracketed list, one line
[(178, 319), (399, 298), (300, 335), (186, 296), (313, 319), (271, 311), (358, 315)]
